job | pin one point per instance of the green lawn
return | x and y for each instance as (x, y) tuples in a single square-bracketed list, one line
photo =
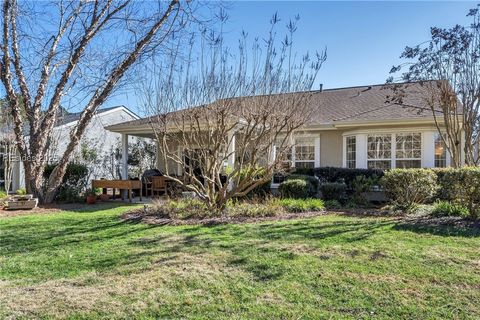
[(92, 265)]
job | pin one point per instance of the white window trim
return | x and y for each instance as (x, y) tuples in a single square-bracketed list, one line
[(316, 139), (344, 150), (427, 152)]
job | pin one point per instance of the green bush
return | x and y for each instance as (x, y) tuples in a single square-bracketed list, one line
[(332, 204), (462, 186), (302, 205), (333, 191), (346, 175), (21, 191), (3, 194), (360, 185), (443, 192), (295, 188), (311, 179), (445, 208), (406, 188)]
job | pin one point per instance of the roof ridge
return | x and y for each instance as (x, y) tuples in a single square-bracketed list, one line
[(373, 85)]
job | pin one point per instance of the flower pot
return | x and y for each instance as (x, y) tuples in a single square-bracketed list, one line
[(104, 197), (91, 199)]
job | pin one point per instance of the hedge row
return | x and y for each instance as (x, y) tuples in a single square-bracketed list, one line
[(406, 188), (345, 175)]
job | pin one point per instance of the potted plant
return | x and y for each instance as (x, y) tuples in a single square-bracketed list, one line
[(91, 195)]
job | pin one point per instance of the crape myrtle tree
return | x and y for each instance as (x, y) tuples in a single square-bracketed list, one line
[(451, 56), (73, 53), (225, 118)]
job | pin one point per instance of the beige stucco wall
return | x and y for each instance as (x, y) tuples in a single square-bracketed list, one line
[(331, 148), (172, 165), (331, 142)]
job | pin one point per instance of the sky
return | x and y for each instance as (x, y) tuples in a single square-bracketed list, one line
[(363, 39)]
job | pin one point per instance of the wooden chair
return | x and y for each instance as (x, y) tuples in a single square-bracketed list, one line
[(148, 185), (158, 185)]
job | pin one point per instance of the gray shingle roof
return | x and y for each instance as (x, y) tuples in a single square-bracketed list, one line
[(353, 104)]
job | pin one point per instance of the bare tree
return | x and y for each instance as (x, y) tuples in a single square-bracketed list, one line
[(225, 118), (8, 145), (83, 50), (452, 57)]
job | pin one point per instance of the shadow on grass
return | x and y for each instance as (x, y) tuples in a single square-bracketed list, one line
[(262, 250), (103, 242), (90, 208), (446, 226)]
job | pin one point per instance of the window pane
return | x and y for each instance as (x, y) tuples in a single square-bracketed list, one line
[(408, 145), (379, 146), (440, 152), (351, 152), (405, 164), (304, 164), (305, 153), (379, 164)]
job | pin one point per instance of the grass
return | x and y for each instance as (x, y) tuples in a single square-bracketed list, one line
[(89, 264)]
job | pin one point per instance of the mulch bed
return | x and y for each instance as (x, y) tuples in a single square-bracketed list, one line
[(43, 209), (457, 222), (37, 210), (138, 216)]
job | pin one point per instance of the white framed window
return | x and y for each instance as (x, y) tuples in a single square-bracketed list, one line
[(440, 152), (399, 150), (379, 151), (304, 153), (408, 150), (351, 152)]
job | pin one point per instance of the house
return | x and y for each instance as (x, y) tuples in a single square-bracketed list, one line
[(96, 140), (354, 127)]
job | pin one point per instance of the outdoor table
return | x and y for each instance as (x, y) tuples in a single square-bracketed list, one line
[(119, 184)]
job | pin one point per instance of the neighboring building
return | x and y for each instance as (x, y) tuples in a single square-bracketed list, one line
[(356, 127), (96, 141)]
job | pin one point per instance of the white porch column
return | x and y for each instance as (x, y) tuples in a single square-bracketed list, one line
[(317, 152), (124, 156), (231, 153), (231, 149), (428, 149), (361, 150)]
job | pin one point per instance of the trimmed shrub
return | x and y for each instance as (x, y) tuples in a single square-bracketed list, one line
[(311, 179), (3, 194), (302, 205), (360, 185), (21, 191), (406, 188), (462, 186), (445, 208), (346, 175), (332, 204), (333, 191), (296, 188)]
